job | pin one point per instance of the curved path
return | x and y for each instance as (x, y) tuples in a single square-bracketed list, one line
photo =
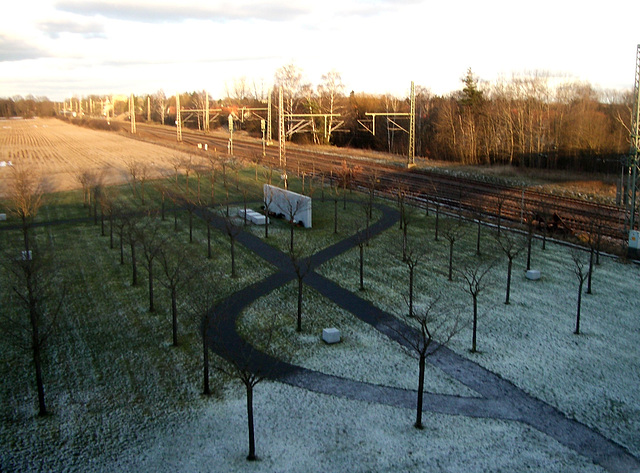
[(499, 398)]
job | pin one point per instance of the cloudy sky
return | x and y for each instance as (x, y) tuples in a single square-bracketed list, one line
[(61, 48)]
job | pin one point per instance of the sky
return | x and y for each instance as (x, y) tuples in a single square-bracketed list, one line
[(65, 48)]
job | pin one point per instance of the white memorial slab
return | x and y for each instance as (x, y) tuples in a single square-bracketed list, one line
[(290, 204)]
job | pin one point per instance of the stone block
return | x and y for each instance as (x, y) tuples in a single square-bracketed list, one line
[(533, 274), (331, 335)]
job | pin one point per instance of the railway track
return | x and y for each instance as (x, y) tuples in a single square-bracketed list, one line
[(475, 198)]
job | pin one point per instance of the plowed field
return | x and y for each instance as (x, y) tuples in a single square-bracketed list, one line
[(58, 152)]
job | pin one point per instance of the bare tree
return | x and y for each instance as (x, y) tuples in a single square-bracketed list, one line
[(425, 331), (152, 239), (452, 232), (85, 178), (160, 100), (330, 89), (411, 257), (301, 267), (232, 228), (530, 231), (511, 245), (133, 168), (240, 360), (203, 296), (121, 215), (132, 235), (178, 269), (476, 281), (38, 292), (582, 273), (294, 207), (25, 199)]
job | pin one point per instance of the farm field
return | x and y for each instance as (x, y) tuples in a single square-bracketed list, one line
[(123, 399), (58, 151)]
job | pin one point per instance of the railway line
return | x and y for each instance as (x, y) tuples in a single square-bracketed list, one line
[(489, 202)]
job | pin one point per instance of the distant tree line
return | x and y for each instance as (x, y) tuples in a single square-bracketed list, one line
[(526, 121), (529, 120), (26, 107)]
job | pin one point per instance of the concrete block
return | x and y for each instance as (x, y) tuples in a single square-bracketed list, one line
[(331, 335), (533, 274), (3, 217)]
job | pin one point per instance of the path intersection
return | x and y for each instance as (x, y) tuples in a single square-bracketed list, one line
[(498, 398)]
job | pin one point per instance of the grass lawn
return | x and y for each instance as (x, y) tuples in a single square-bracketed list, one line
[(122, 398)]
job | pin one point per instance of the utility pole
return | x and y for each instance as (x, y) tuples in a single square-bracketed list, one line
[(178, 119), (132, 114), (269, 135), (282, 139), (230, 147), (206, 112), (634, 236), (412, 128)]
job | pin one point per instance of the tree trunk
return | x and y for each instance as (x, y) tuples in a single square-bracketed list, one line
[(174, 315), (300, 287), (362, 267), (478, 239), (529, 242), (577, 331), (291, 237), (134, 265), (252, 441), (451, 260), (506, 301), (121, 250), (422, 359), (475, 323), (404, 242), (591, 253), (410, 291), (110, 232), (437, 220), (205, 364), (35, 345), (233, 257), (151, 307), (208, 239), (190, 227), (335, 216)]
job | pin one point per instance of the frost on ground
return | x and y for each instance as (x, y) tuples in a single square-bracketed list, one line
[(123, 399), (592, 377)]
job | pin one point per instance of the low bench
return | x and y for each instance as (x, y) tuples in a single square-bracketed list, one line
[(254, 217)]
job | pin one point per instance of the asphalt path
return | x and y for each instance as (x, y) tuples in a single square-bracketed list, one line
[(497, 398)]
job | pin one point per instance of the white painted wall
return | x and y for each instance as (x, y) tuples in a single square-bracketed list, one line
[(282, 201)]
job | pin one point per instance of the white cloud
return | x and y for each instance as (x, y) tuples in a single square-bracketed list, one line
[(377, 46)]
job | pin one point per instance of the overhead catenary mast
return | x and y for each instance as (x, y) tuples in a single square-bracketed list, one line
[(132, 114), (412, 128), (178, 118), (634, 235)]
